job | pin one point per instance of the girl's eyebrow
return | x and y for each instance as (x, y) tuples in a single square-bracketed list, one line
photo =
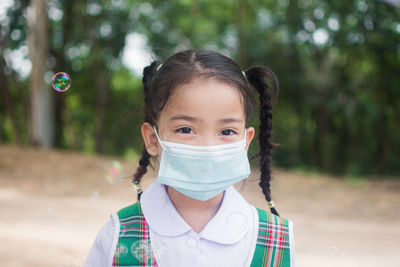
[(229, 120), (185, 117), (194, 119)]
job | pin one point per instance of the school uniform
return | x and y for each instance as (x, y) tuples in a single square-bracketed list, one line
[(152, 233)]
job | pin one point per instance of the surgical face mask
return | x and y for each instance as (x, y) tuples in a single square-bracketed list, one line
[(202, 172)]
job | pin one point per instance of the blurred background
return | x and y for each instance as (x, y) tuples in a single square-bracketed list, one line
[(66, 157)]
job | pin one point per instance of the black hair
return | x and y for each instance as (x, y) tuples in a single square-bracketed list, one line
[(160, 79)]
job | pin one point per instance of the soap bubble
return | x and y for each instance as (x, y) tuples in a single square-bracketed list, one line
[(122, 230), (47, 215), (333, 250), (394, 3), (94, 194), (76, 262), (61, 82), (114, 171), (121, 250), (141, 250), (161, 251)]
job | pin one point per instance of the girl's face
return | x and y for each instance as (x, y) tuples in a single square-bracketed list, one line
[(203, 112)]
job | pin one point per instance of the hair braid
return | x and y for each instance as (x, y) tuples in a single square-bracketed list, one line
[(257, 78), (148, 75), (141, 170)]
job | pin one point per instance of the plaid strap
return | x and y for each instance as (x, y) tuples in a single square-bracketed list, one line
[(273, 247), (133, 247)]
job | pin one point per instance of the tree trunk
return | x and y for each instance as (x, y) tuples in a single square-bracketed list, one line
[(61, 65), (41, 104), (8, 103)]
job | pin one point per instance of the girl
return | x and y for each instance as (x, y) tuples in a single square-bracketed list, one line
[(197, 106)]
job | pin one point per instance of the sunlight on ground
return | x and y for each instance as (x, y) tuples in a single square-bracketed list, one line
[(54, 203)]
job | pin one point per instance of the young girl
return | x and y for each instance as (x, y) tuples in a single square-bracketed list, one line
[(197, 106)]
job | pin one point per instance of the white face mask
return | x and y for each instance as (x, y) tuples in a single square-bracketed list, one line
[(202, 172)]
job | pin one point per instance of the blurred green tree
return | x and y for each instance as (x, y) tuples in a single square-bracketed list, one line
[(338, 64)]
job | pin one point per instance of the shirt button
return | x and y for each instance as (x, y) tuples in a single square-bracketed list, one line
[(191, 242)]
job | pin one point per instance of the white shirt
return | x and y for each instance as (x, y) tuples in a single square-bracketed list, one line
[(228, 239)]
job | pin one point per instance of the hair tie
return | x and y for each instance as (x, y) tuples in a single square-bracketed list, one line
[(158, 67), (138, 188), (244, 74), (271, 204)]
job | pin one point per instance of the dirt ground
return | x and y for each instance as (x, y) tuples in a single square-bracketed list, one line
[(53, 203)]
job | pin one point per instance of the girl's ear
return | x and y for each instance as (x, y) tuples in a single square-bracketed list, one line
[(249, 136), (150, 139)]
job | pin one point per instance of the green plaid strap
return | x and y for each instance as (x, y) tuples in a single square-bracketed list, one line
[(273, 247), (133, 247)]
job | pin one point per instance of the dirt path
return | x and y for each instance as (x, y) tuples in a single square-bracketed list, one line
[(53, 203)]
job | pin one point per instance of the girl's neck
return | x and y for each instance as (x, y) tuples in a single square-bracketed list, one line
[(195, 212)]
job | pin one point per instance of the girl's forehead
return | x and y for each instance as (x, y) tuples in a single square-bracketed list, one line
[(205, 98)]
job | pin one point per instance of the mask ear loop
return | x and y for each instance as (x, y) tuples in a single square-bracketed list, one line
[(159, 141), (158, 138)]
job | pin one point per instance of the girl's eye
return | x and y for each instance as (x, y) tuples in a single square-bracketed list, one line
[(228, 132), (184, 130)]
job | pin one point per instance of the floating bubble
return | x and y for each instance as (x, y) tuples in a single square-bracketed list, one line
[(61, 82), (47, 215), (122, 230), (76, 262), (141, 250), (114, 171), (161, 251), (333, 250), (94, 194), (121, 250), (394, 3)]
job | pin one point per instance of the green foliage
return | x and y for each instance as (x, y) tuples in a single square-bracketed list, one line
[(338, 63)]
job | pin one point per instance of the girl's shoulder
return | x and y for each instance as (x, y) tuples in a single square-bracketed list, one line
[(102, 250), (272, 228), (275, 236), (270, 218), (129, 211)]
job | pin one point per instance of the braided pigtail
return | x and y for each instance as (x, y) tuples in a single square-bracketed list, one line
[(149, 73), (140, 171), (261, 78)]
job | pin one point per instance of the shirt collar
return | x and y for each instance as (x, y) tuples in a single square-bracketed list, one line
[(228, 226), (160, 213)]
